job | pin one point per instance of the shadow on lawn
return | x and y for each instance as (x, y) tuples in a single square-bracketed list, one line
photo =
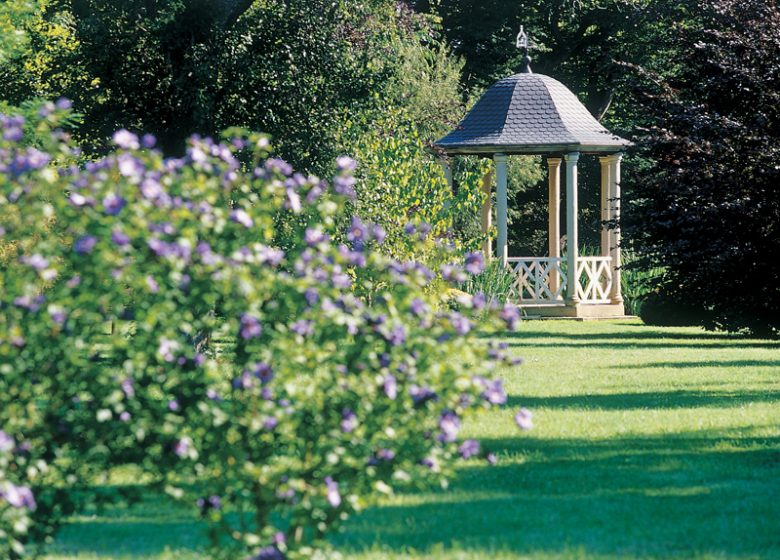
[(637, 337), (676, 496), (655, 400)]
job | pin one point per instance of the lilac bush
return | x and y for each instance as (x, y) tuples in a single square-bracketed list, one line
[(154, 314)]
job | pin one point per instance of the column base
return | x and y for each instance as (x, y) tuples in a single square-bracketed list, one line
[(576, 311)]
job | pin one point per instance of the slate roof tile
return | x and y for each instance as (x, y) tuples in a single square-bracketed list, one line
[(530, 110)]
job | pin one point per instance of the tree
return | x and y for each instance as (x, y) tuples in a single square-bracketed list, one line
[(708, 209), (296, 69)]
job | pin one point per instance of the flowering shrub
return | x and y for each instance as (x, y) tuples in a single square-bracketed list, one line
[(120, 275)]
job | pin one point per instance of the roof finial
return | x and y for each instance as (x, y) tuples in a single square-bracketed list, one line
[(522, 43)]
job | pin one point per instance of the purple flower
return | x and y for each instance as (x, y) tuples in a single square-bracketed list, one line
[(460, 323), (173, 405), (357, 233), (379, 234), (523, 419), (148, 141), (332, 492), (270, 423), (63, 104), (423, 230), (6, 442), (397, 335), (311, 296), (494, 391), (491, 458), (212, 502), (469, 448), (78, 200), (36, 261), (479, 301), (152, 284), (151, 189), (168, 349), (449, 424), (18, 496), (250, 327), (127, 387), (303, 327), (29, 303), (241, 217), (119, 238), (421, 395), (349, 421), (279, 166), (263, 371), (346, 163), (130, 166), (385, 454), (453, 273), (344, 185), (418, 307), (182, 447), (314, 236), (13, 134), (124, 416), (126, 139), (510, 314), (113, 204), (390, 386), (85, 244), (475, 263)]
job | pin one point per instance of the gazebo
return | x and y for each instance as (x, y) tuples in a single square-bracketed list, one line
[(533, 114)]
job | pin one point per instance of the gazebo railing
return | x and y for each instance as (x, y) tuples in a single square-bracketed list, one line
[(543, 280), (535, 279), (594, 279)]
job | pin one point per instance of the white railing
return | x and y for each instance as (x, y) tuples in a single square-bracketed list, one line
[(543, 280), (539, 279), (594, 279)]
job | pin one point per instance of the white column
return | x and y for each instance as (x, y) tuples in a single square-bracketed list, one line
[(615, 295), (554, 217), (447, 168), (502, 251), (606, 203), (486, 214), (572, 233)]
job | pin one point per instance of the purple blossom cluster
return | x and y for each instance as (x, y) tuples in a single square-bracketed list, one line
[(367, 368)]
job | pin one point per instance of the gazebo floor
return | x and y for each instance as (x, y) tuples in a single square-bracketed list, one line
[(579, 311)]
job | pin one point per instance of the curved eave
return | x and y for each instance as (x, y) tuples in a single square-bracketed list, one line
[(532, 149)]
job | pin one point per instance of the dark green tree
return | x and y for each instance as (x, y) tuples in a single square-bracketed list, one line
[(708, 209), (296, 69)]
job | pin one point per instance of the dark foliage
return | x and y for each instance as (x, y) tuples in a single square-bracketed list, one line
[(292, 68), (709, 209)]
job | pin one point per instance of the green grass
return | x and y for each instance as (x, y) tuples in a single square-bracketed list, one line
[(649, 442)]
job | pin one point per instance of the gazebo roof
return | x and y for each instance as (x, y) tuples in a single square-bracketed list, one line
[(529, 114)]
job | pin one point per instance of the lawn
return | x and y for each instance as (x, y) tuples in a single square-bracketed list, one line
[(649, 442)]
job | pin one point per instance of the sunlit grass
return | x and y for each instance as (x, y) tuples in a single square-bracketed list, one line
[(649, 442)]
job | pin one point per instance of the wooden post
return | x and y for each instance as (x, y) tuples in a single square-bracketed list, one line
[(447, 168), (606, 203), (554, 218), (615, 295), (572, 237), (502, 250), (486, 214)]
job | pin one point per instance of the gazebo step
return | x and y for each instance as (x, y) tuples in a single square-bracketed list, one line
[(580, 311)]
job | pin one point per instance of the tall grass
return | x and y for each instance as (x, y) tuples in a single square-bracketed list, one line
[(496, 282)]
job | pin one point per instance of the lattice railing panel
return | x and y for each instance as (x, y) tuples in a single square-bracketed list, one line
[(535, 279), (594, 279)]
